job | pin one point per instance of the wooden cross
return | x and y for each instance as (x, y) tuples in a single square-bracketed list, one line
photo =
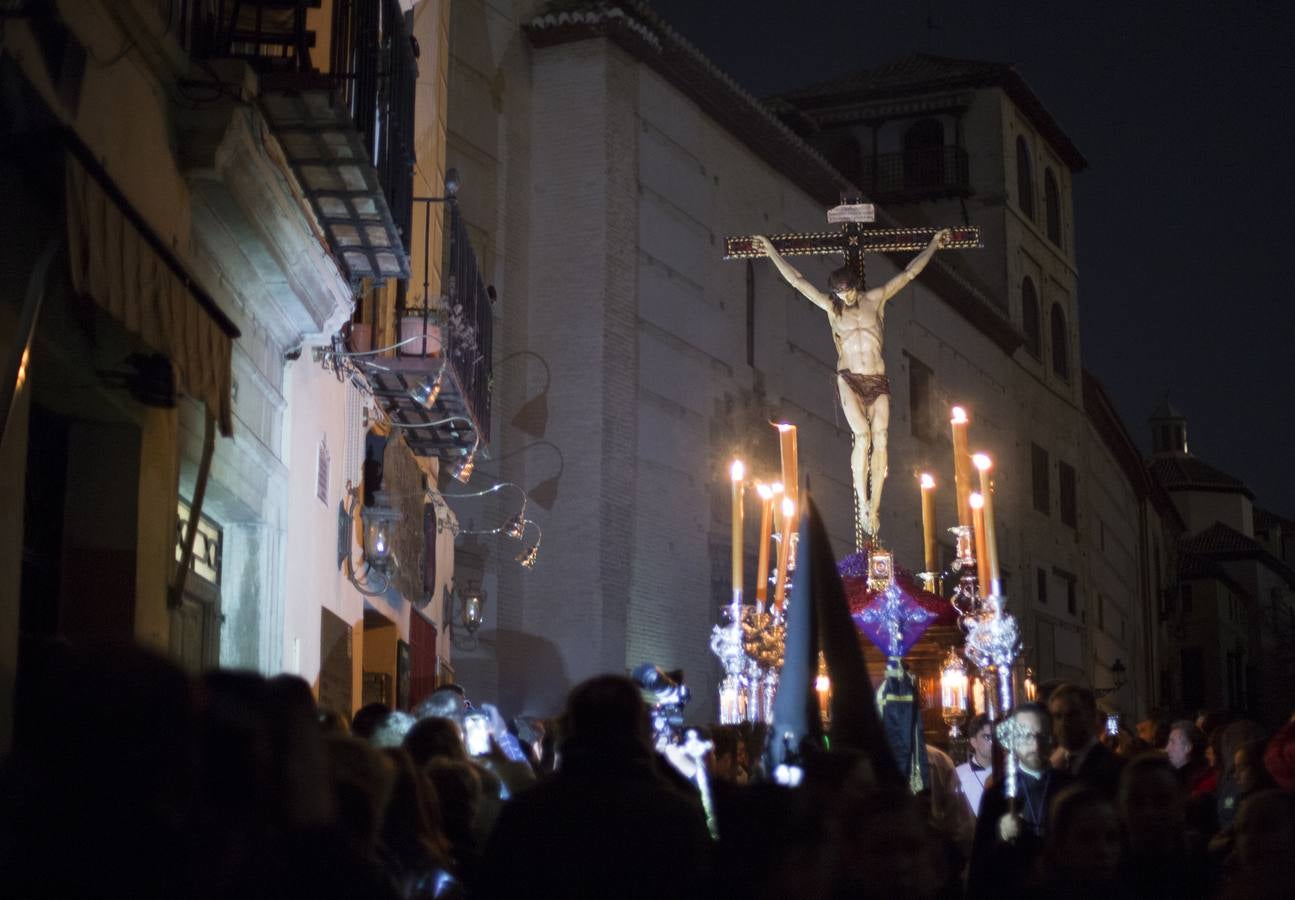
[(853, 240)]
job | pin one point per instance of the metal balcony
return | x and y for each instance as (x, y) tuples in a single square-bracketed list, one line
[(920, 174), (347, 130), (449, 342)]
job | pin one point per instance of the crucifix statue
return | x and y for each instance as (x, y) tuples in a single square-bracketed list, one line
[(857, 316)]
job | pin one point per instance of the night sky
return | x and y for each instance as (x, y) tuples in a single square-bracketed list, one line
[(1186, 113)]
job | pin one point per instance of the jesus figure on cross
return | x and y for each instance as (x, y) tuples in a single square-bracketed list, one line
[(857, 317)]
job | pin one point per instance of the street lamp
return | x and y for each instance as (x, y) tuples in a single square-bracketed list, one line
[(428, 390), (465, 611), (378, 519), (1118, 673)]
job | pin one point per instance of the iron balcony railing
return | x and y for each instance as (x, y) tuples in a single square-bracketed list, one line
[(372, 66), (914, 173), (469, 331)]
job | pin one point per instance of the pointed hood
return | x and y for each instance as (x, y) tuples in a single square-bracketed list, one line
[(818, 617)]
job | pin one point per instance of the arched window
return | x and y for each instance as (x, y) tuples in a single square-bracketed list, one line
[(1030, 319), (924, 155), (1024, 178), (1052, 206), (1060, 343)]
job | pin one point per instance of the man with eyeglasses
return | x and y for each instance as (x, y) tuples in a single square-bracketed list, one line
[(977, 770), (1009, 837)]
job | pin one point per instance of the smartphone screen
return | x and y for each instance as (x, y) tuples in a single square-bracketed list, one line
[(1113, 724), (476, 733)]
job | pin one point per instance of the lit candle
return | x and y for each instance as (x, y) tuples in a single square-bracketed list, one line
[(790, 473), (953, 686), (784, 549), (961, 464), (766, 526), (823, 687), (984, 464), (977, 504), (737, 472), (928, 521)]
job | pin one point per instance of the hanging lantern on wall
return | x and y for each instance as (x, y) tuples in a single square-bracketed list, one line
[(378, 519)]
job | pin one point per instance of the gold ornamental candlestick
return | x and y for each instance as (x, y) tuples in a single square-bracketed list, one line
[(961, 463), (928, 522), (977, 504), (737, 473), (784, 550), (766, 527), (983, 463), (790, 462)]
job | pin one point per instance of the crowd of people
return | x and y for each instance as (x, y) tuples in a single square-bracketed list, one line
[(129, 779)]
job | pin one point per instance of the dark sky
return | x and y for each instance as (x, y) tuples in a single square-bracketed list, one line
[(1185, 111)]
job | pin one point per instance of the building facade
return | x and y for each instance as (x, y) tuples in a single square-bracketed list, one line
[(607, 159), (1234, 610), (218, 206)]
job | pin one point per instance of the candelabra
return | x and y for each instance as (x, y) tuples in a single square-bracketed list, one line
[(993, 641), (726, 642), (749, 642)]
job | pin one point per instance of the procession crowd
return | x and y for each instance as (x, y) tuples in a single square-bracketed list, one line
[(129, 779)]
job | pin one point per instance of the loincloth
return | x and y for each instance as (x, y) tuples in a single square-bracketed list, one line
[(866, 387)]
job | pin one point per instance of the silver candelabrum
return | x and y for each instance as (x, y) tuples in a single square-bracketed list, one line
[(749, 641), (726, 643)]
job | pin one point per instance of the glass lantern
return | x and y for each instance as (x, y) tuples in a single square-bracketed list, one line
[(378, 519), (953, 692)]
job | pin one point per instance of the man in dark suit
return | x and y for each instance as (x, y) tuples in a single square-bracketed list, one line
[(1009, 835), (1074, 727), (608, 823)]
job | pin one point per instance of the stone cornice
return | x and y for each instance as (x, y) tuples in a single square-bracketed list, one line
[(231, 160)]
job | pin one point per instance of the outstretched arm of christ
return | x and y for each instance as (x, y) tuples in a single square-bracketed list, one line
[(793, 277), (914, 268)]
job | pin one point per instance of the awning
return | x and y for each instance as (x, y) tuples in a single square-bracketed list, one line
[(120, 262)]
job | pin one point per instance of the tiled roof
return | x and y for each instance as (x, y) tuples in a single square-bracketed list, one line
[(1220, 539), (1184, 472), (923, 73), (1222, 542), (1266, 520), (918, 71)]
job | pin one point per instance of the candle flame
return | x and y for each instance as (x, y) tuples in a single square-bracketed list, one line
[(788, 507), (765, 492), (976, 501), (981, 461), (738, 470), (822, 684), (776, 487), (928, 482), (785, 426), (959, 416)]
